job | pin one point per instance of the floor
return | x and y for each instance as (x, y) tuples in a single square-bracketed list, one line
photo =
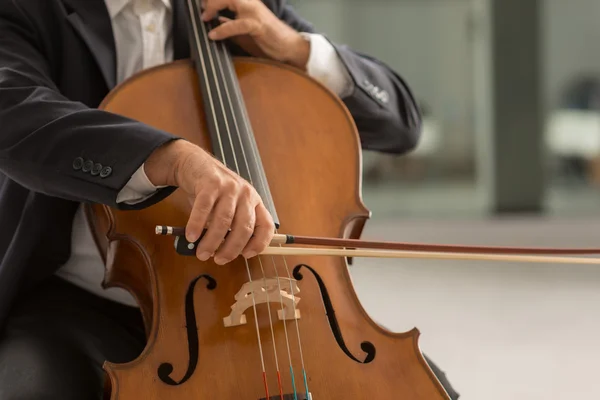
[(499, 330)]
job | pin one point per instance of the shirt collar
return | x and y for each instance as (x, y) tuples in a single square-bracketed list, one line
[(116, 6)]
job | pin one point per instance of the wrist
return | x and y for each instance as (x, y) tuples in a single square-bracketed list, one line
[(163, 165), (299, 51)]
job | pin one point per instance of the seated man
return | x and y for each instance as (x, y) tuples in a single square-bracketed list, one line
[(58, 60)]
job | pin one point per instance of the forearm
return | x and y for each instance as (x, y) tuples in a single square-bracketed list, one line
[(161, 170), (383, 106), (381, 102), (52, 145), (323, 64), (47, 140)]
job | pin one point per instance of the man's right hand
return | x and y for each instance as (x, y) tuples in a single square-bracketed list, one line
[(220, 199)]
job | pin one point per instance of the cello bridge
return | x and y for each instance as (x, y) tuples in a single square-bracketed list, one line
[(280, 291)]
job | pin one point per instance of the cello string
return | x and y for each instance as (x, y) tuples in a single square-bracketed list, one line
[(194, 19), (214, 47), (220, 97), (219, 57), (205, 73), (208, 48), (245, 119), (272, 330), (285, 327), (231, 74), (297, 332)]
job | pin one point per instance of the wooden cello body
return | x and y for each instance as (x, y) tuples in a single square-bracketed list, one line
[(270, 327)]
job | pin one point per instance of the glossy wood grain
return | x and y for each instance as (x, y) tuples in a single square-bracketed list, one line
[(310, 150)]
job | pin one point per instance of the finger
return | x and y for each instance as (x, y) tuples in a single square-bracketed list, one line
[(264, 231), (212, 8), (203, 205), (242, 229), (221, 221), (237, 27)]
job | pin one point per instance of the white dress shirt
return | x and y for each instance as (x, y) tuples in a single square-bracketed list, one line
[(143, 38)]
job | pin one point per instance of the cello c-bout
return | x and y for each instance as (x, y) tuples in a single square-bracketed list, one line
[(269, 327)]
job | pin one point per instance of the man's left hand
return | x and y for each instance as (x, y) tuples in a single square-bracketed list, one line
[(258, 31)]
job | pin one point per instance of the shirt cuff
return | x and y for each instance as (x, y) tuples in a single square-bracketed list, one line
[(138, 189), (325, 66)]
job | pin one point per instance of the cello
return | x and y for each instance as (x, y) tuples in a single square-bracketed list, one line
[(269, 327), (277, 326)]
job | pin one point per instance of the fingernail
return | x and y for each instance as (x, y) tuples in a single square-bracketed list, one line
[(250, 254), (191, 236), (204, 256), (212, 35), (220, 260)]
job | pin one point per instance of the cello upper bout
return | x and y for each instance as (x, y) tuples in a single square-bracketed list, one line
[(276, 94)]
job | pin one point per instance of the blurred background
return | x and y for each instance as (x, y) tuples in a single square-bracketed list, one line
[(509, 155)]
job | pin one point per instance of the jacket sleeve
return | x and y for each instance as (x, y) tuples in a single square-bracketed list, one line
[(384, 108), (55, 146)]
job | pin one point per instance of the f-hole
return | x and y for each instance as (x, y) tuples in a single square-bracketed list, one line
[(166, 369), (366, 346)]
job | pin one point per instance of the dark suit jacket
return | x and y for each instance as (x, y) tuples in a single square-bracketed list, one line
[(57, 63)]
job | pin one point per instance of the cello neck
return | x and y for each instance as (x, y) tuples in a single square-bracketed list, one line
[(232, 138)]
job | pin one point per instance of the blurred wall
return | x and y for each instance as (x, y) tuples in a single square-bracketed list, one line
[(426, 41), (431, 42), (572, 43)]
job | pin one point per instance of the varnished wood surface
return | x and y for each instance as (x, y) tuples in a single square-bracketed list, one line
[(310, 151)]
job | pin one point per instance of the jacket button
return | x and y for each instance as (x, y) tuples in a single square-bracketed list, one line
[(87, 166), (77, 163), (96, 169), (106, 171)]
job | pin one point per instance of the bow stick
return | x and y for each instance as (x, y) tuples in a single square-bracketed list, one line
[(365, 248)]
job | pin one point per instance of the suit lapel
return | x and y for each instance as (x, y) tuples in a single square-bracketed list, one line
[(181, 39), (91, 20)]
